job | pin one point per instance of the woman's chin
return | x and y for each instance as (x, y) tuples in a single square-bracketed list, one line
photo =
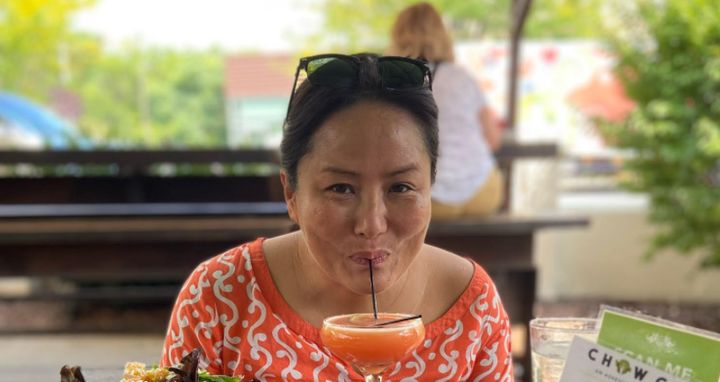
[(358, 280), (363, 286)]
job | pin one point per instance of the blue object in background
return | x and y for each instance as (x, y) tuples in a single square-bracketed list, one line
[(36, 120)]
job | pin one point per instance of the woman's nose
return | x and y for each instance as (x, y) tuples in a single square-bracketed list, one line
[(371, 217)]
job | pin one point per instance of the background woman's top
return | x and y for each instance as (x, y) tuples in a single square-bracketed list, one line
[(230, 308), (466, 159)]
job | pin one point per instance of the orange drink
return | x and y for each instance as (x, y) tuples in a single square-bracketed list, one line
[(371, 348)]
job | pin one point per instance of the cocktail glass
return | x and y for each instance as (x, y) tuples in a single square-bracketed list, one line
[(368, 347)]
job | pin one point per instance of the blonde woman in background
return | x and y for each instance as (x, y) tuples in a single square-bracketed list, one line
[(468, 181)]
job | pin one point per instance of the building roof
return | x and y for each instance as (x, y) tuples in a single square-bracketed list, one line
[(253, 75), (603, 97), (66, 103)]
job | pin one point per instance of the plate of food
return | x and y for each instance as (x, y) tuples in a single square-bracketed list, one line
[(186, 371)]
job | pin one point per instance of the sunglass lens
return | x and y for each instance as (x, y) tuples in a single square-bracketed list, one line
[(332, 71), (398, 74)]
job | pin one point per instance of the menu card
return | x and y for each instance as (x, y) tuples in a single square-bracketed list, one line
[(687, 353), (590, 362)]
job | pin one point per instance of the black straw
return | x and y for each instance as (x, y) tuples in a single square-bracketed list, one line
[(372, 288)]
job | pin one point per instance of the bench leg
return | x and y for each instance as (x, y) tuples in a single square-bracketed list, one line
[(517, 290)]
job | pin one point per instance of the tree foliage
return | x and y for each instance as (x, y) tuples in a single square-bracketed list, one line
[(132, 96), (669, 60), (154, 97), (566, 19), (352, 25), (34, 34)]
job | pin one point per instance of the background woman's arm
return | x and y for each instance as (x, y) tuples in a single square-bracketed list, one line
[(491, 126)]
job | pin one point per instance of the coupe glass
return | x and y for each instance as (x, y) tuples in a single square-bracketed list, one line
[(368, 347)]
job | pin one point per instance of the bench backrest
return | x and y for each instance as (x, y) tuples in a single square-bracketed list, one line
[(139, 176), (158, 176)]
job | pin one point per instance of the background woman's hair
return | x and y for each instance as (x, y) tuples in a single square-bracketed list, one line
[(313, 104), (419, 32)]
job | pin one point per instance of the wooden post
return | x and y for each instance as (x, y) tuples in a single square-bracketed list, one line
[(519, 12)]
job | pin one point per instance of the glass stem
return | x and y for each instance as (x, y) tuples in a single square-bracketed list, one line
[(373, 378)]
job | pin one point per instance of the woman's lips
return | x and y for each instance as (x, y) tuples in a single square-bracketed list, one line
[(376, 257)]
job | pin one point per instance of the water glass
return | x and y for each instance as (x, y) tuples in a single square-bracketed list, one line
[(550, 340)]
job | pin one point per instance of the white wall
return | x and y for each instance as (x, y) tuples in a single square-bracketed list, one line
[(605, 260)]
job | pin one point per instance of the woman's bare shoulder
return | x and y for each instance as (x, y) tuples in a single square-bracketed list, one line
[(447, 262), (279, 246), (448, 276), (278, 251)]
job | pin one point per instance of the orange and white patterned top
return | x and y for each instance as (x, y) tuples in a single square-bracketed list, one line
[(230, 308)]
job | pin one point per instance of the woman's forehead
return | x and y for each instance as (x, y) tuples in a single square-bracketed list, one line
[(369, 131), (369, 123)]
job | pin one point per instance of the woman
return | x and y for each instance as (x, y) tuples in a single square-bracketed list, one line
[(358, 160), (468, 180)]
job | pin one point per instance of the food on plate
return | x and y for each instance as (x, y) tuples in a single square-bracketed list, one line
[(186, 371), (71, 374)]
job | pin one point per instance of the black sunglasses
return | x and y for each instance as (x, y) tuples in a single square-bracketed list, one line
[(339, 70)]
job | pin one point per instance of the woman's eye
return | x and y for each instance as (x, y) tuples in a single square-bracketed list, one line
[(400, 188), (341, 188)]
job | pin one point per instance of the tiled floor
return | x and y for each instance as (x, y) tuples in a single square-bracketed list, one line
[(40, 357)]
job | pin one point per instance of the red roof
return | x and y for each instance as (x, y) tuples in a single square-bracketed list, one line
[(66, 103), (603, 97), (249, 75)]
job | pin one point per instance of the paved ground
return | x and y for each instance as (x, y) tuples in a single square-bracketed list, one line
[(40, 357)]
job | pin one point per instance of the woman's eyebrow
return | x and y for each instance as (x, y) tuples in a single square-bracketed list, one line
[(403, 170), (341, 171)]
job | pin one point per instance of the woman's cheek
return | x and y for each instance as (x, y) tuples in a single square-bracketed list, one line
[(414, 215), (328, 217)]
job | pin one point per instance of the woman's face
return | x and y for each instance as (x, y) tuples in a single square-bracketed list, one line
[(363, 195)]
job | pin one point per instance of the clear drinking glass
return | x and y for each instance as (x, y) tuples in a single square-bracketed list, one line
[(370, 349), (550, 340)]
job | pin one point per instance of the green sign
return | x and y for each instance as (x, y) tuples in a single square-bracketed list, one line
[(687, 353)]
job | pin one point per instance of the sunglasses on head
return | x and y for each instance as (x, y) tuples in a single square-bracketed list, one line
[(339, 70)]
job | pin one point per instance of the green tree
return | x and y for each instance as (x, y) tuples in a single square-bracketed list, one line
[(134, 96), (669, 60), (34, 34), (190, 111), (352, 25), (566, 19), (153, 97)]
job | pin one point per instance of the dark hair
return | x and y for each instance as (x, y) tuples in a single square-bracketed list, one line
[(313, 104)]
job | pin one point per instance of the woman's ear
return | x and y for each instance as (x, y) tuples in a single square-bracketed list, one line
[(289, 194)]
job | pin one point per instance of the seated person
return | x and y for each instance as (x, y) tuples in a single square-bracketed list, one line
[(468, 181)]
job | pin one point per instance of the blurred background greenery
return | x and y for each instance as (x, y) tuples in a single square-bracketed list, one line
[(149, 96), (669, 63)]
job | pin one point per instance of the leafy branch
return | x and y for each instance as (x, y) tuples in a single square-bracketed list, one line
[(669, 61)]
